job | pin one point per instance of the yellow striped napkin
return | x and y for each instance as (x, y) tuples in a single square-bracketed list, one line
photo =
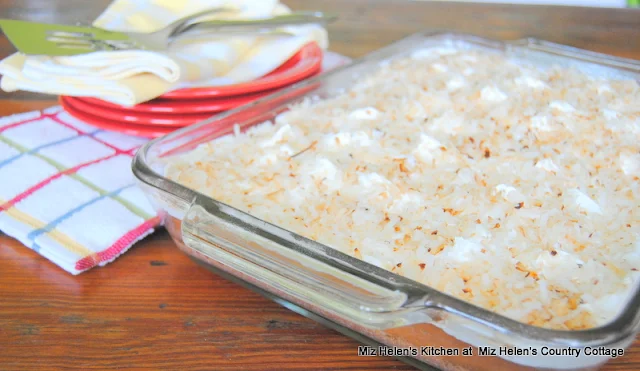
[(132, 77)]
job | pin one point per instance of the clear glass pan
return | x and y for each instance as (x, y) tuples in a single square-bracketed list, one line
[(366, 302)]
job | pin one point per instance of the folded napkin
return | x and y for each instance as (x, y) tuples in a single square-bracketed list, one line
[(135, 76), (67, 190)]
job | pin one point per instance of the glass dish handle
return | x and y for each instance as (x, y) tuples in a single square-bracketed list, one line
[(267, 260), (529, 43)]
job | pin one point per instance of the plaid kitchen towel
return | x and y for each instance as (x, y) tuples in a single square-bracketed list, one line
[(67, 190)]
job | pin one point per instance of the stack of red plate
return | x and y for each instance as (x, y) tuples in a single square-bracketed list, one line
[(184, 107)]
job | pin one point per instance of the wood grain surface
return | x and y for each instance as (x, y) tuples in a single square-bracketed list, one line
[(154, 308)]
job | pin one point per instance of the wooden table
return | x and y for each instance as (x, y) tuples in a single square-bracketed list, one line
[(154, 308)]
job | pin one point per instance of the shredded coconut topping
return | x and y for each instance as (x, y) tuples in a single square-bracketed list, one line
[(509, 186)]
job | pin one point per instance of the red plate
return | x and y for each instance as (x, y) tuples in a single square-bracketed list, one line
[(125, 128), (136, 118), (305, 63), (182, 107)]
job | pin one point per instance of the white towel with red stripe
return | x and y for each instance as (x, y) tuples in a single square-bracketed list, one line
[(67, 190)]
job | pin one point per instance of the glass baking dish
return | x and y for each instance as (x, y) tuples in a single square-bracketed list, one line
[(373, 305)]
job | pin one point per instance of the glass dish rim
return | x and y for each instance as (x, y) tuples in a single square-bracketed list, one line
[(623, 326)]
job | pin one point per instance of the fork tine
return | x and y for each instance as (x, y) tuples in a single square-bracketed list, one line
[(76, 47), (90, 45), (119, 44), (82, 46), (68, 39), (79, 43), (69, 34)]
